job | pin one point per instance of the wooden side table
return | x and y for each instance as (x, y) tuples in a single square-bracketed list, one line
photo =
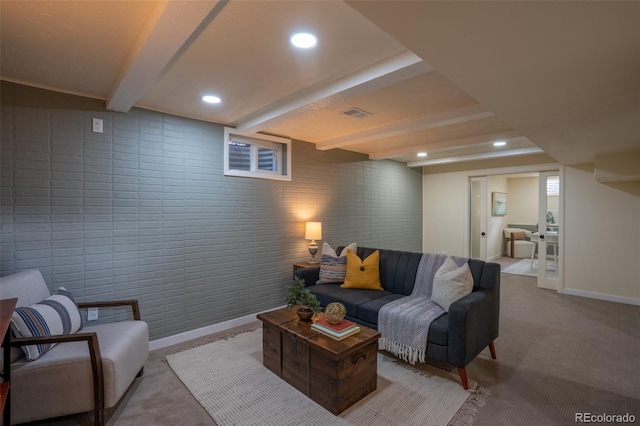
[(305, 264)]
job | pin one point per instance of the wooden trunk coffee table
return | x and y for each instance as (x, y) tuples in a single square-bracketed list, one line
[(333, 373)]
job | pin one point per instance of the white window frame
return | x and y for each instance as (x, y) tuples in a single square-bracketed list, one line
[(281, 145)]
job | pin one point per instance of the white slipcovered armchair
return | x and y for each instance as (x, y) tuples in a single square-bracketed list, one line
[(519, 244), (90, 369)]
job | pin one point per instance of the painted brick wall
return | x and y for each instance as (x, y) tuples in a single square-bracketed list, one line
[(144, 211)]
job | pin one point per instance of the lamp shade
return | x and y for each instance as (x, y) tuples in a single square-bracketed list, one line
[(313, 231)]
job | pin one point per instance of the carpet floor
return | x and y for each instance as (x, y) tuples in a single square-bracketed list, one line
[(558, 355), (228, 379)]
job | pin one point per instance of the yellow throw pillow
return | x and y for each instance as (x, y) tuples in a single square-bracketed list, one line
[(363, 274)]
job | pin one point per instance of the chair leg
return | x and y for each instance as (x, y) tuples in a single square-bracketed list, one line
[(99, 416), (492, 348), (512, 245), (463, 377), (533, 253)]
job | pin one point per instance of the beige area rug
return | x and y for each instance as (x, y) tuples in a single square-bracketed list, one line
[(523, 267), (228, 379)]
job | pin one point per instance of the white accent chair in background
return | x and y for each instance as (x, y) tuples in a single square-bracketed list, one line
[(519, 245)]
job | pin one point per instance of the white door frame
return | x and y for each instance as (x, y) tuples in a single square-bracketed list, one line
[(543, 280), (481, 232), (540, 168)]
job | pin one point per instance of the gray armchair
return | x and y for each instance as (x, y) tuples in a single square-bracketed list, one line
[(84, 371)]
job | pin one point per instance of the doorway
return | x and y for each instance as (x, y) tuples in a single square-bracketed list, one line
[(534, 204)]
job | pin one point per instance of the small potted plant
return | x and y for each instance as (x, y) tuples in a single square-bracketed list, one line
[(306, 302)]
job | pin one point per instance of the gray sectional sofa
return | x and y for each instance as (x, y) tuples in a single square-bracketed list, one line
[(456, 337)]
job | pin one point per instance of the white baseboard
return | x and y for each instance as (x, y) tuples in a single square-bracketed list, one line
[(201, 332), (494, 257), (601, 296)]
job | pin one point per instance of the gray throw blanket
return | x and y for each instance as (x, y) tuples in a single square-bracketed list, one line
[(404, 323)]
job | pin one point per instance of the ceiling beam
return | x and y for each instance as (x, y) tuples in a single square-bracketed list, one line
[(386, 73), (451, 143), (530, 78), (473, 157), (409, 125), (617, 167), (170, 29)]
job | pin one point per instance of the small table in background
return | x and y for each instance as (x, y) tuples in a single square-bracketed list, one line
[(552, 240)]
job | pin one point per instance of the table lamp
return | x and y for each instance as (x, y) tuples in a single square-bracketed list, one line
[(313, 232)]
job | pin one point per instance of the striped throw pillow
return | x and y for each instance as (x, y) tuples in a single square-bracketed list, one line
[(333, 268), (57, 314)]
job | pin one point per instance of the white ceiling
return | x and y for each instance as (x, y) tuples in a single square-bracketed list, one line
[(446, 78)]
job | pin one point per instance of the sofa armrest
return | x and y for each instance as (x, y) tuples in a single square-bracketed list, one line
[(135, 307), (95, 357), (310, 275), (473, 325)]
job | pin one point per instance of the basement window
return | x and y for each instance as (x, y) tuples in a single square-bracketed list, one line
[(257, 156)]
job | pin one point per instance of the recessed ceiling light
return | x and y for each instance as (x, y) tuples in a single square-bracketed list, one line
[(210, 99), (304, 40), (422, 154), (499, 143)]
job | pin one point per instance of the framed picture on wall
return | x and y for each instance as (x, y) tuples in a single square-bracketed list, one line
[(499, 203)]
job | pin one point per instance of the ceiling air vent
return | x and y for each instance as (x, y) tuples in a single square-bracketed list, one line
[(356, 113)]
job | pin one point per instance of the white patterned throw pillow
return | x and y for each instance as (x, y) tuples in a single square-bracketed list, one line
[(57, 314), (333, 268), (451, 283)]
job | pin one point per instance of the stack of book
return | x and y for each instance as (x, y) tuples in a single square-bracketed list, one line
[(339, 331)]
